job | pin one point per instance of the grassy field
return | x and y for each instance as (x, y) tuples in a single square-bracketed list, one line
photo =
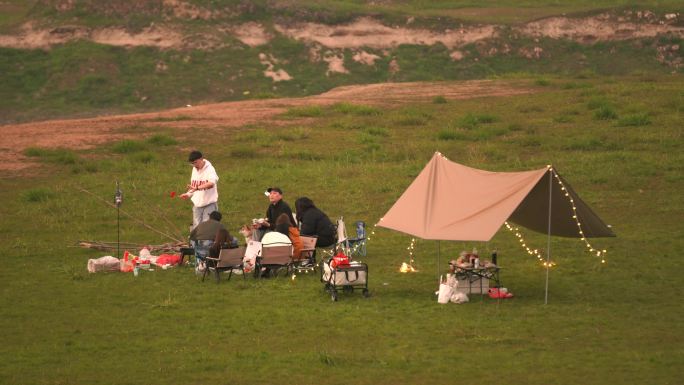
[(618, 140)]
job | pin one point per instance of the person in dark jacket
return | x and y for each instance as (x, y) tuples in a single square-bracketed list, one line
[(313, 221), (276, 207)]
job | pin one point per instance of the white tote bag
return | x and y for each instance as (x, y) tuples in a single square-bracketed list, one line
[(445, 291), (251, 253)]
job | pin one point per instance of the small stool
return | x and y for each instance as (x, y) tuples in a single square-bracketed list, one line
[(186, 251)]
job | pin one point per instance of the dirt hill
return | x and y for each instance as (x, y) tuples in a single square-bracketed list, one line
[(86, 133)]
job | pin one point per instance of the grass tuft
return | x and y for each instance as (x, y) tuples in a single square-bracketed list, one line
[(293, 134), (355, 109), (634, 120), (177, 118), (471, 120), (413, 117), (326, 359), (439, 99), (598, 102), (58, 156), (377, 131), (605, 113), (162, 140), (451, 134), (144, 157), (128, 146), (243, 153), (36, 195)]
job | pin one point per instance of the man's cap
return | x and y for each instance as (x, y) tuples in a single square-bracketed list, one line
[(277, 189)]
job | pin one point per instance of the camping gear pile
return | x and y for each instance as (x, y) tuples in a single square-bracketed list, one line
[(133, 263)]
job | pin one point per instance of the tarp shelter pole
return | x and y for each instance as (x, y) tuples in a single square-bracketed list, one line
[(438, 252), (548, 239)]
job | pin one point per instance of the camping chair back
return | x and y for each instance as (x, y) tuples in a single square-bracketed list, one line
[(341, 231), (231, 258), (227, 260), (308, 243), (360, 229), (357, 246), (275, 256), (308, 261), (341, 243)]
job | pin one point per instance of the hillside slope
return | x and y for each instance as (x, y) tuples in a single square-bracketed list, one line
[(70, 58)]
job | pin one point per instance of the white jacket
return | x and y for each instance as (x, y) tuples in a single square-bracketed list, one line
[(201, 198)]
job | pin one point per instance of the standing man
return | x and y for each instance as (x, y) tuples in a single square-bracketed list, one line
[(202, 189)]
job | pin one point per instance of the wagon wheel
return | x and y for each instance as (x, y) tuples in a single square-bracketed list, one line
[(366, 293), (333, 296)]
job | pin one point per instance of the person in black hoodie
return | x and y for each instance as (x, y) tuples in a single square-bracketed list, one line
[(315, 222)]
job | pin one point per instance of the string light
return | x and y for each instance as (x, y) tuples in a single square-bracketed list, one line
[(599, 253), (523, 244), (368, 238), (408, 267)]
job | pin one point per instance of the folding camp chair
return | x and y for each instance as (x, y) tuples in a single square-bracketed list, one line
[(341, 241), (350, 246), (357, 246), (228, 260), (308, 261), (274, 257)]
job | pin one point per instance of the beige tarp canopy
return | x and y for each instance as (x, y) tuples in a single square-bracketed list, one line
[(449, 201)]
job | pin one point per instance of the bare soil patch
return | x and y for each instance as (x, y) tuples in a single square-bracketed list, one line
[(88, 133), (362, 32)]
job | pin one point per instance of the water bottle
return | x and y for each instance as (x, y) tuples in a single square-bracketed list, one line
[(477, 263), (136, 269)]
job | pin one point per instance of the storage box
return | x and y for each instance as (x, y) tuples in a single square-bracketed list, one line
[(473, 285)]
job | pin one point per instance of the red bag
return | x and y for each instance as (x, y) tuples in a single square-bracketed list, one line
[(168, 259), (339, 260), (499, 293)]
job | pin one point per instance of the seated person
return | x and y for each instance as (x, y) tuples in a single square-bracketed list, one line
[(283, 225), (223, 240), (202, 237), (276, 207), (275, 238), (314, 222), (271, 239)]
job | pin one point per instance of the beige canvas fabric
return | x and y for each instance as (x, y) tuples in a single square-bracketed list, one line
[(449, 201)]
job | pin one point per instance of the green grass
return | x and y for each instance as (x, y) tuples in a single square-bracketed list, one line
[(612, 323), (37, 195), (162, 140), (304, 112), (439, 99), (356, 109), (128, 146), (634, 120), (57, 155), (605, 113)]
